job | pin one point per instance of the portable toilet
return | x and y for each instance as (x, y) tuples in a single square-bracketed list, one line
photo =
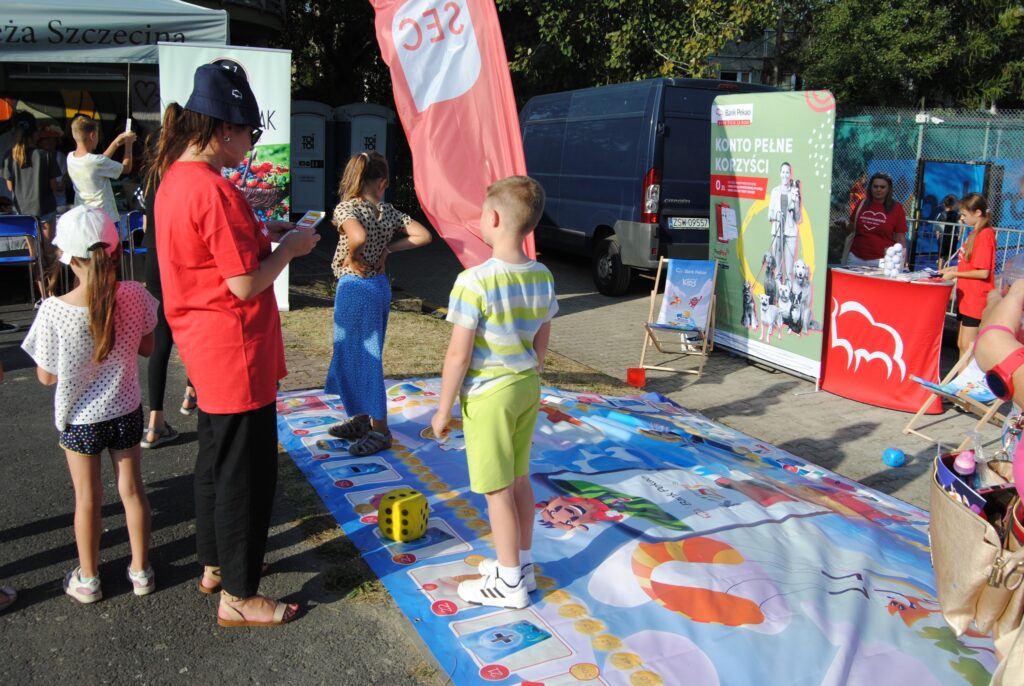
[(364, 126), (314, 162)]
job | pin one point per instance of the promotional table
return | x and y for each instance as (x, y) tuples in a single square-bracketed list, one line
[(880, 331)]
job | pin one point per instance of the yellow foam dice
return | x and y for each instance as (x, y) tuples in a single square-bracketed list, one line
[(402, 514)]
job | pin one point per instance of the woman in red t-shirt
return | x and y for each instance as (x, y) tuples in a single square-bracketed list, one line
[(217, 272), (877, 223), (975, 272)]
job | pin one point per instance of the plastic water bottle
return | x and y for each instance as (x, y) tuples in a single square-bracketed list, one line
[(983, 474), (1013, 270)]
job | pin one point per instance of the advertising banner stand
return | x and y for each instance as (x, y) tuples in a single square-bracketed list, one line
[(265, 176), (771, 178)]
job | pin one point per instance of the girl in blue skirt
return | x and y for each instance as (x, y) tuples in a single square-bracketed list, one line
[(370, 230)]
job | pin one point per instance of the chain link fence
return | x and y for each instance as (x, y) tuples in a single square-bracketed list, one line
[(930, 155)]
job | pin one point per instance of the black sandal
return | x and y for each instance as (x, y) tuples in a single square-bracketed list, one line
[(353, 429)]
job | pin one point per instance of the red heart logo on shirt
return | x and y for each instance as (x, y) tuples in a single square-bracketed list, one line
[(871, 220)]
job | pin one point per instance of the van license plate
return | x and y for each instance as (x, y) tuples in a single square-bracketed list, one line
[(689, 223)]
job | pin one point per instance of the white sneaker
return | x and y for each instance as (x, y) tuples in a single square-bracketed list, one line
[(82, 590), (491, 589), (490, 566), (144, 582)]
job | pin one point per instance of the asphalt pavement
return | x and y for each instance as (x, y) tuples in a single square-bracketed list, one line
[(346, 634)]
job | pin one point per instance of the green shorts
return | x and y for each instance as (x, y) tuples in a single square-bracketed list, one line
[(498, 426)]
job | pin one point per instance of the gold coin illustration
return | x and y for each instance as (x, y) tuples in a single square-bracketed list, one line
[(585, 671), (477, 524), (428, 477), (474, 560), (572, 611), (606, 642), (467, 512), (412, 461), (645, 678), (420, 470), (458, 502), (447, 495), (589, 626), (437, 486), (545, 582), (625, 660), (557, 597)]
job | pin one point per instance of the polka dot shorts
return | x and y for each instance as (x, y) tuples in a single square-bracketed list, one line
[(116, 434)]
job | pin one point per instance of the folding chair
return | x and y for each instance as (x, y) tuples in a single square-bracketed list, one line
[(686, 319), (134, 241), (22, 225), (965, 387)]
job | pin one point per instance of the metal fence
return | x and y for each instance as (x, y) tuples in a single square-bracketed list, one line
[(904, 143)]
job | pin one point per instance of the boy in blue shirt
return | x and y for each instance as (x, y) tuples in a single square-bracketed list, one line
[(502, 312)]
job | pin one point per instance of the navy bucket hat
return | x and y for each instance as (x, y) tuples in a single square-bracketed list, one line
[(222, 92)]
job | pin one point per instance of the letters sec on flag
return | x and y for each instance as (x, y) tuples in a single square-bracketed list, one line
[(437, 48)]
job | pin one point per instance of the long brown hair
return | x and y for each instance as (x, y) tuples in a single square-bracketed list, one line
[(152, 148), (974, 202), (101, 296), (361, 169), (180, 129), (24, 131)]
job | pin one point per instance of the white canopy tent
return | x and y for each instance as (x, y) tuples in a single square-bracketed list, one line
[(104, 31)]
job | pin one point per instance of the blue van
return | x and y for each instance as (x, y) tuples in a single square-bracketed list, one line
[(625, 168)]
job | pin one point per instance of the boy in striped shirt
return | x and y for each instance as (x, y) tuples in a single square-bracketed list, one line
[(502, 312)]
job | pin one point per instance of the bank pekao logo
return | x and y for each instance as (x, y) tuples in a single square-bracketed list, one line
[(857, 355), (437, 49), (732, 115)]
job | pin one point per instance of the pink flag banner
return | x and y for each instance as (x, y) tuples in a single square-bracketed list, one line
[(454, 97)]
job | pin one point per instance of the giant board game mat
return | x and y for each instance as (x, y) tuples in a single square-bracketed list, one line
[(669, 550)]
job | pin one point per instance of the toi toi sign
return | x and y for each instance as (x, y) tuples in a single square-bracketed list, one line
[(437, 49)]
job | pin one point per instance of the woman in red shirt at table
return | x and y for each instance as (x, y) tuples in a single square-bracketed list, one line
[(975, 271), (877, 223), (217, 272)]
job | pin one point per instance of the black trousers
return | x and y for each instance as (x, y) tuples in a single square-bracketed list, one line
[(236, 477)]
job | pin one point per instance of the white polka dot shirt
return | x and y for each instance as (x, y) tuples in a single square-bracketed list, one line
[(59, 342)]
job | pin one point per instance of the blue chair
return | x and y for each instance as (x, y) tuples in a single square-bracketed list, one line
[(27, 227), (135, 234)]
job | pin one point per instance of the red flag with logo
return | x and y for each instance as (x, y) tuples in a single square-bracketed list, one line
[(454, 97), (879, 333)]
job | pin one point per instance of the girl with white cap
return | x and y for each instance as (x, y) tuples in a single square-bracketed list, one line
[(87, 342)]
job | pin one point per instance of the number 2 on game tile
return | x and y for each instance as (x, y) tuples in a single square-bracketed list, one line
[(444, 608)]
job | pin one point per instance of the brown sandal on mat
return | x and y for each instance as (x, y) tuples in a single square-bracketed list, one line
[(283, 613), (352, 430), (213, 575)]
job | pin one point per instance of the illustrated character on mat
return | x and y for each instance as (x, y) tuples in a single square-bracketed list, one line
[(588, 503)]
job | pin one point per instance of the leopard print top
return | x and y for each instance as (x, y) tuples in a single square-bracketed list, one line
[(381, 223)]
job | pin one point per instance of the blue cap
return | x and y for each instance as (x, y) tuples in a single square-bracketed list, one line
[(222, 92)]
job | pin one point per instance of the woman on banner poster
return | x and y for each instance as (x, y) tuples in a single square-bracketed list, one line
[(784, 216)]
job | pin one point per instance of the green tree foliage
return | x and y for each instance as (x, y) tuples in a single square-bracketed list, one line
[(555, 45), (959, 52), (334, 52)]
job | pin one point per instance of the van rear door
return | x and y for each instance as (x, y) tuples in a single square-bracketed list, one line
[(686, 165)]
